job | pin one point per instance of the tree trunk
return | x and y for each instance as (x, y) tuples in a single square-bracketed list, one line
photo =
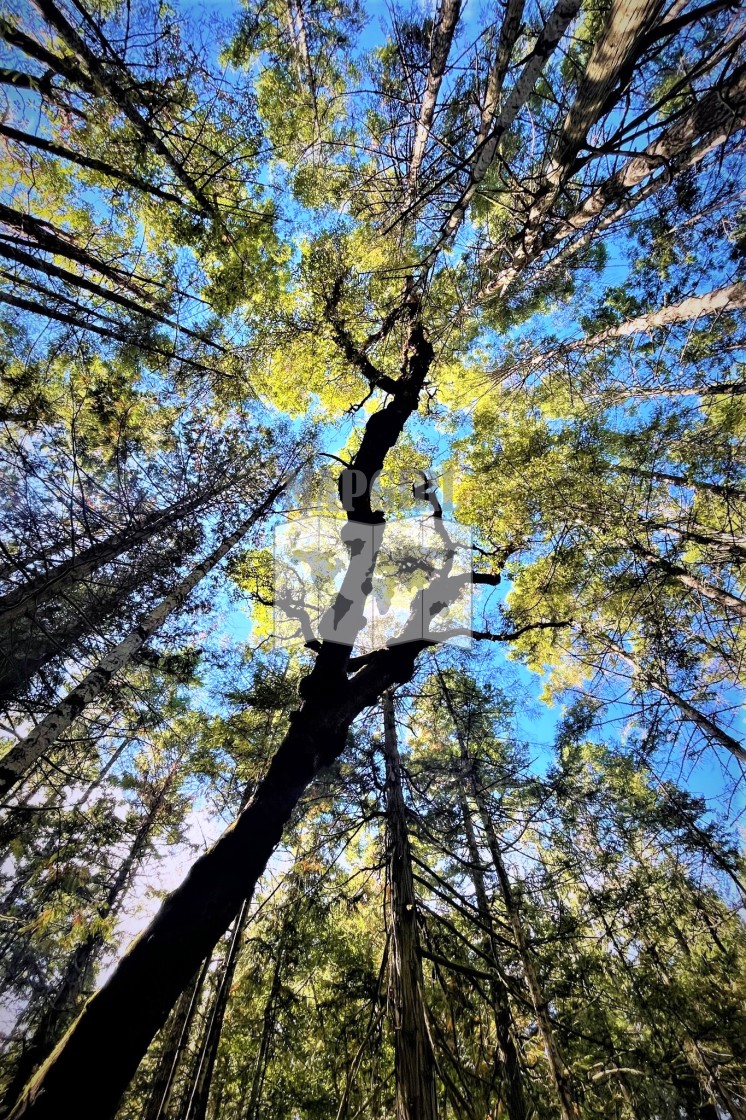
[(21, 757), (51, 239), (196, 1105), (79, 972), (25, 597), (171, 1048), (711, 121), (712, 730), (64, 67), (734, 295), (174, 1047), (33, 643), (82, 612), (613, 53), (708, 1078), (103, 1048), (730, 544), (561, 1076), (296, 21), (78, 280), (680, 574), (515, 1101), (510, 29), (253, 1107), (722, 491), (49, 147), (111, 331), (483, 156), (440, 45), (108, 86), (413, 1056)]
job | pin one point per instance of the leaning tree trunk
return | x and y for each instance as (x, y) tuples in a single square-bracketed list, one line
[(440, 45), (27, 597), (679, 574), (33, 642), (414, 1063), (558, 20), (729, 493), (612, 57), (174, 1047), (104, 1046), (20, 758), (125, 175), (196, 1105), (561, 1077), (711, 120), (704, 1070), (106, 85), (79, 970), (253, 1105), (706, 724), (515, 1101)]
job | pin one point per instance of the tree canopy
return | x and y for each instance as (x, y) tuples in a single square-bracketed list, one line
[(372, 595)]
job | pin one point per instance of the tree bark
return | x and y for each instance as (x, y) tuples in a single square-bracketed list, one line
[(64, 67), (171, 1047), (734, 295), (33, 643), (620, 42), (25, 597), (253, 1107), (164, 1083), (510, 29), (77, 280), (108, 86), (414, 1066), (712, 730), (111, 331), (440, 46), (710, 303), (721, 490), (50, 239), (724, 543), (484, 154), (681, 575), (50, 147)]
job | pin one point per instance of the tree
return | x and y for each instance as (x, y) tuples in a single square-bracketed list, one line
[(374, 238)]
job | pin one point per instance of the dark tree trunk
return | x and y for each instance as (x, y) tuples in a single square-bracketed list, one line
[(515, 1101), (560, 1074), (253, 1107), (414, 1064), (722, 490), (104, 1047), (29, 140), (196, 1106), (26, 597), (174, 1047)]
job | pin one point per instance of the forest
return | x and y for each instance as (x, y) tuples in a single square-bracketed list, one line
[(372, 560)]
